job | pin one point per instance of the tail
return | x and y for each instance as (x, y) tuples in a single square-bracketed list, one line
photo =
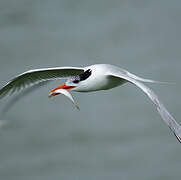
[(147, 80)]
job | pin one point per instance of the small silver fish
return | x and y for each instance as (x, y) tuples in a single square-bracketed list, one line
[(66, 93)]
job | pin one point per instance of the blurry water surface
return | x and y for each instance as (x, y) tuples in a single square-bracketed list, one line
[(118, 134)]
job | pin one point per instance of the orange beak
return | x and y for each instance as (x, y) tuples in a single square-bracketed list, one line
[(63, 86)]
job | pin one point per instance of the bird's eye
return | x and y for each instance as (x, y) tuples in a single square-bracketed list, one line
[(75, 81)]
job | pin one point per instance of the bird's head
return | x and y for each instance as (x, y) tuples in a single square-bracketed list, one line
[(73, 83)]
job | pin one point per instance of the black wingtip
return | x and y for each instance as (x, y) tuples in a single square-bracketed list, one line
[(178, 138)]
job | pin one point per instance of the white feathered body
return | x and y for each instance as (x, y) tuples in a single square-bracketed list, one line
[(100, 79)]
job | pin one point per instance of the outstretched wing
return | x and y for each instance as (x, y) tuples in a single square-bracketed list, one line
[(166, 116), (32, 77)]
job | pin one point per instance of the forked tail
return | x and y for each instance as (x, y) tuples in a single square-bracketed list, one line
[(146, 80)]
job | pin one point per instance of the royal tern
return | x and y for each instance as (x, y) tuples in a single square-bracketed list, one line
[(92, 78)]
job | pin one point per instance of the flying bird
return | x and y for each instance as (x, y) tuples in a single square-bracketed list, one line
[(86, 79)]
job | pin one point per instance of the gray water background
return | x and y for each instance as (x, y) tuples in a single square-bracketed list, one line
[(117, 134)]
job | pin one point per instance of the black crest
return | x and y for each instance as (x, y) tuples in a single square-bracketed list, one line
[(85, 75), (82, 76)]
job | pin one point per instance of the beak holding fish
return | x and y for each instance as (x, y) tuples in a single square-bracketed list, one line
[(63, 89)]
